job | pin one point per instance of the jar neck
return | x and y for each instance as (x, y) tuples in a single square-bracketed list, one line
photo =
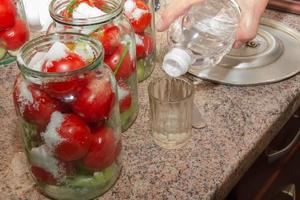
[(43, 43), (112, 8)]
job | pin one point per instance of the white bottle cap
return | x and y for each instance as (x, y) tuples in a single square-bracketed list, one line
[(176, 62)]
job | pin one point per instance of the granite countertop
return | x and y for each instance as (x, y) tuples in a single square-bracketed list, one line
[(241, 121)]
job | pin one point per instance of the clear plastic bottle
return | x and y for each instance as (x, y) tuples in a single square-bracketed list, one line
[(202, 37)]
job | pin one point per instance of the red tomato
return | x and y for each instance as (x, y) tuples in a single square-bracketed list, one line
[(59, 89), (99, 3), (109, 36), (69, 63), (127, 65), (148, 44), (34, 104), (7, 14), (140, 16), (43, 175), (94, 101), (124, 95), (140, 50), (14, 37), (46, 168), (103, 150), (74, 137), (144, 45)]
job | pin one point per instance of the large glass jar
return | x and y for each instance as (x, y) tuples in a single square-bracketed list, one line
[(68, 114), (140, 13), (14, 31), (104, 21)]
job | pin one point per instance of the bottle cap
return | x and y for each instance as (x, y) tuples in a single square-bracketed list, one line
[(176, 62)]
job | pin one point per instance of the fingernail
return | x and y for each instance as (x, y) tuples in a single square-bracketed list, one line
[(237, 44)]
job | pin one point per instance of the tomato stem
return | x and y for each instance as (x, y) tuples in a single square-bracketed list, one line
[(122, 58)]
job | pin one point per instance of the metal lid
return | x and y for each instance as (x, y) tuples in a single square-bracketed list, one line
[(271, 57)]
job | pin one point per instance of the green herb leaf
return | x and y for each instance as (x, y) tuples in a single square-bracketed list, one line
[(125, 51), (70, 7)]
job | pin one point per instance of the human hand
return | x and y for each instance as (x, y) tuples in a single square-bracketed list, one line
[(170, 11), (251, 12)]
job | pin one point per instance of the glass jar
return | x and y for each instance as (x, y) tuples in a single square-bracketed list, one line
[(105, 21), (14, 30), (69, 118), (141, 15)]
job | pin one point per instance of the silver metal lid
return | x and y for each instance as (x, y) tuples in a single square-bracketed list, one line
[(271, 57)]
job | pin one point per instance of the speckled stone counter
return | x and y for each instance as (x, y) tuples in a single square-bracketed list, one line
[(241, 121)]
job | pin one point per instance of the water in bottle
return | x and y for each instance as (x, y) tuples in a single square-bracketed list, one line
[(202, 37)]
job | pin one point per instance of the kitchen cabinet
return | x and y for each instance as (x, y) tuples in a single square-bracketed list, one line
[(274, 177)]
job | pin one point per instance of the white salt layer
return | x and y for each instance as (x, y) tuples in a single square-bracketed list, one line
[(122, 93), (132, 11), (138, 40), (37, 61), (129, 6), (42, 157), (57, 51), (84, 11), (84, 50), (51, 136), (138, 13), (25, 97)]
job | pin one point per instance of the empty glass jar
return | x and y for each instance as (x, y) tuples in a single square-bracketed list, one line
[(68, 114)]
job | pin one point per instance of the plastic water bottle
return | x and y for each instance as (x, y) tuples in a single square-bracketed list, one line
[(202, 37)]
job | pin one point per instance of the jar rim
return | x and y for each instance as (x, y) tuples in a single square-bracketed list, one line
[(32, 44), (56, 6)]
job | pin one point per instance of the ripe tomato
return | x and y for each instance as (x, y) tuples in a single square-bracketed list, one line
[(7, 14), (109, 36), (124, 96), (42, 175), (46, 168), (127, 65), (144, 45), (34, 104), (94, 101), (59, 89), (69, 63), (140, 51), (103, 150), (69, 138), (14, 37), (138, 14)]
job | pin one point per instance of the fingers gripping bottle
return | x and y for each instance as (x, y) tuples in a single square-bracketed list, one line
[(202, 37)]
